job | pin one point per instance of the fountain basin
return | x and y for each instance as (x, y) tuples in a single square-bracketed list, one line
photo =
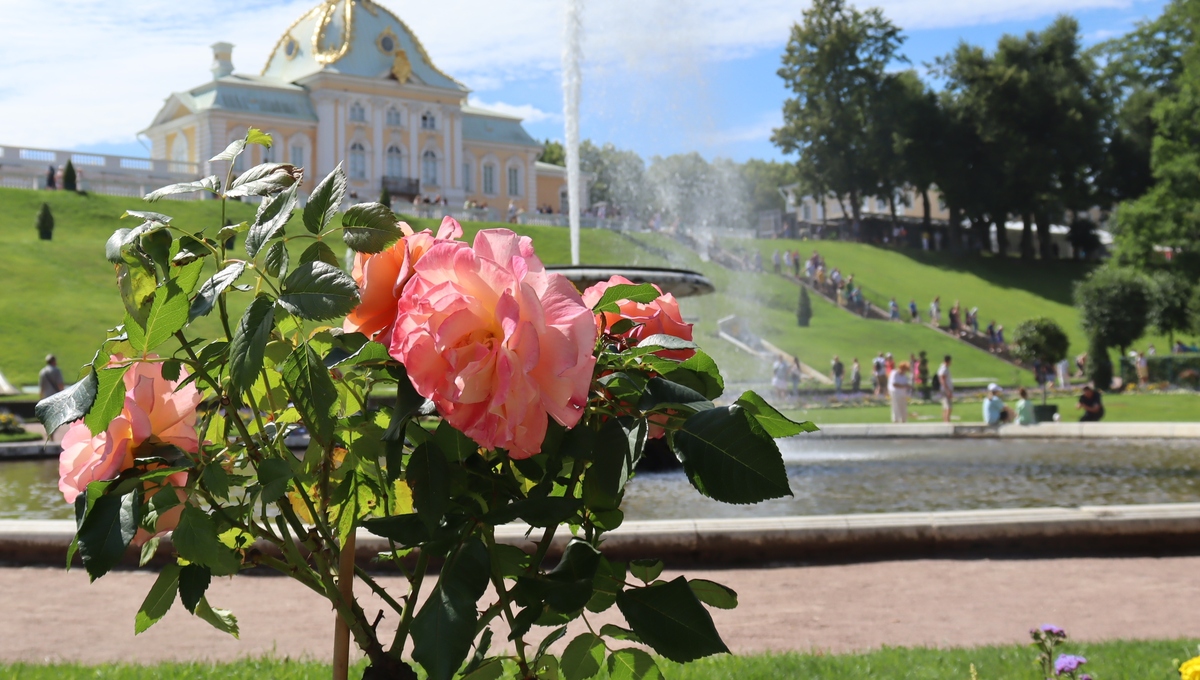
[(678, 282)]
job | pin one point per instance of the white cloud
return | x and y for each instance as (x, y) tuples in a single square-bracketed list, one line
[(88, 71), (527, 112), (757, 132)]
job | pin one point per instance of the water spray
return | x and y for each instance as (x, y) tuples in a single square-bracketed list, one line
[(571, 77)]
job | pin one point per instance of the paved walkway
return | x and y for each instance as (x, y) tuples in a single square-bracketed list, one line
[(831, 608)]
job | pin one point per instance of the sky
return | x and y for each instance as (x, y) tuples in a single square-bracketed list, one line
[(660, 76)]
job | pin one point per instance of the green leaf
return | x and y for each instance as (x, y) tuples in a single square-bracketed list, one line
[(662, 393), (454, 444), (221, 619), (203, 303), (276, 261), (325, 200), (149, 550), (429, 477), (193, 582), (312, 391), (195, 539), (168, 313), (274, 474), (642, 292), (210, 184), (666, 342), (489, 670), (250, 342), (568, 587), (646, 570), (583, 657), (157, 244), (369, 227), (713, 594), (670, 619), (707, 378), (215, 480), (110, 398), (537, 512), (109, 525), (604, 482), (190, 250), (272, 216), (264, 180), (775, 423), (632, 664), (319, 251), (443, 629), (318, 290), (159, 600), (231, 152), (256, 136), (370, 353), (609, 580), (147, 216), (728, 457), (555, 635), (407, 530), (619, 633)]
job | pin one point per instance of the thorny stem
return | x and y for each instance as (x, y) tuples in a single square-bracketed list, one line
[(410, 604), (489, 536)]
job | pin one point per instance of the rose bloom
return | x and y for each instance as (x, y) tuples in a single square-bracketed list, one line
[(1190, 670), (381, 278), (496, 341), (660, 317), (154, 413)]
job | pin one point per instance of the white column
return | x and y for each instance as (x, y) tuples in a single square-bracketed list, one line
[(459, 180), (531, 202), (377, 121), (414, 154), (324, 158), (339, 124), (448, 173)]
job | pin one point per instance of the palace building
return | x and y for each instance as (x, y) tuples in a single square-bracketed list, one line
[(348, 82)]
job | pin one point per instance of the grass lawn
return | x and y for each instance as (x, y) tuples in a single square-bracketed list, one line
[(23, 437), (1119, 408), (1144, 660)]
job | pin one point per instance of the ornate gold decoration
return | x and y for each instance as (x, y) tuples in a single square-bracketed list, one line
[(420, 48), (287, 34), (387, 33), (323, 56), (290, 41), (401, 68)]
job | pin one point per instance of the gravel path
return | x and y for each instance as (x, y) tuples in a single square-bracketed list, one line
[(831, 608)]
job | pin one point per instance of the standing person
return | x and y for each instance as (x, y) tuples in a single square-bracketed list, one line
[(912, 310), (1000, 339), (1025, 409), (50, 379), (893, 310), (775, 260), (779, 377), (796, 263), (837, 369), (796, 374), (899, 386), (879, 374), (973, 319), (946, 382), (1081, 365), (1092, 405), (1150, 351), (955, 319), (889, 363), (991, 333), (1143, 370), (935, 311), (51, 182), (855, 376), (994, 410)]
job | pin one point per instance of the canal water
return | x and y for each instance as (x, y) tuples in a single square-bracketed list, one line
[(853, 476)]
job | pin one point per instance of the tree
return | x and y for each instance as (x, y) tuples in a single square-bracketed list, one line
[(69, 177), (836, 66), (804, 311), (919, 137), (619, 178), (385, 197), (1099, 365), (553, 153), (45, 223), (1112, 303), (763, 179), (1040, 340), (1171, 308)]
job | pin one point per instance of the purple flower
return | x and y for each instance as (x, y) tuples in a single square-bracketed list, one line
[(1085, 676), (1068, 663), (1052, 630)]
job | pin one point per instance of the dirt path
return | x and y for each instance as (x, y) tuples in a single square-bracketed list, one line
[(833, 608)]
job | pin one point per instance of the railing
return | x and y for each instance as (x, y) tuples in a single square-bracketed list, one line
[(402, 186), (28, 168)]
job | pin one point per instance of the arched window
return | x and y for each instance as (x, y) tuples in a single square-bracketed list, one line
[(514, 181), (358, 161), (393, 117), (489, 179), (468, 177), (296, 155), (395, 161), (271, 154), (428, 121), (429, 168), (239, 163), (357, 113)]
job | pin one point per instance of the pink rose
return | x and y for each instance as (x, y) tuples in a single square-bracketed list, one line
[(496, 341), (381, 278), (660, 317), (154, 412)]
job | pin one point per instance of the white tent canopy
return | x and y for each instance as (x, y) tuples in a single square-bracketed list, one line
[(6, 388)]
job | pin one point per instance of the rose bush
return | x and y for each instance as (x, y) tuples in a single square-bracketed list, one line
[(460, 387)]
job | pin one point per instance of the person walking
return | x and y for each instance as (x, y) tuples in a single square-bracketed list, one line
[(879, 374), (935, 311), (991, 336), (855, 376), (955, 319), (1000, 347), (899, 387), (1091, 404), (796, 263), (912, 310), (893, 310), (1025, 409), (50, 378), (779, 377), (1143, 370), (889, 363), (837, 369), (775, 261), (946, 383)]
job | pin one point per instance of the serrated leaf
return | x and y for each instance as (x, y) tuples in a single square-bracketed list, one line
[(312, 390), (159, 600), (319, 251), (713, 594), (429, 477), (231, 152), (109, 525), (646, 570), (317, 291), (325, 200), (276, 261), (195, 539), (216, 480), (147, 216), (274, 475), (369, 227), (775, 423), (210, 183), (256, 136), (168, 314), (68, 405), (666, 342), (728, 457), (272, 216), (206, 298), (670, 619), (443, 629), (641, 292), (221, 619), (250, 342), (632, 664), (264, 180), (583, 657), (193, 583), (110, 397)]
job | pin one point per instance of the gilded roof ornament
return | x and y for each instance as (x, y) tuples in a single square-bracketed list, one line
[(401, 68), (327, 12)]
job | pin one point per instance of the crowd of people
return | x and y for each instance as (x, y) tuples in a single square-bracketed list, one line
[(830, 282)]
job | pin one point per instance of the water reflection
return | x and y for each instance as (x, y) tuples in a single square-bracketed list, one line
[(836, 477)]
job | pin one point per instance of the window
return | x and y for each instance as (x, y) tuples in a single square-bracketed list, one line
[(428, 121), (468, 180), (297, 156), (358, 161), (393, 117), (514, 181), (489, 179), (881, 205), (238, 163), (429, 168), (268, 153), (395, 161), (357, 113), (179, 154), (807, 211), (941, 204)]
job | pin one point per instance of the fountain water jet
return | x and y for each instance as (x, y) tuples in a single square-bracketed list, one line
[(572, 55)]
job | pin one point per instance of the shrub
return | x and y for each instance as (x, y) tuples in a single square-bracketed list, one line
[(45, 223), (69, 183), (1040, 339), (1099, 365), (804, 312), (1171, 308), (1113, 306), (385, 197)]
